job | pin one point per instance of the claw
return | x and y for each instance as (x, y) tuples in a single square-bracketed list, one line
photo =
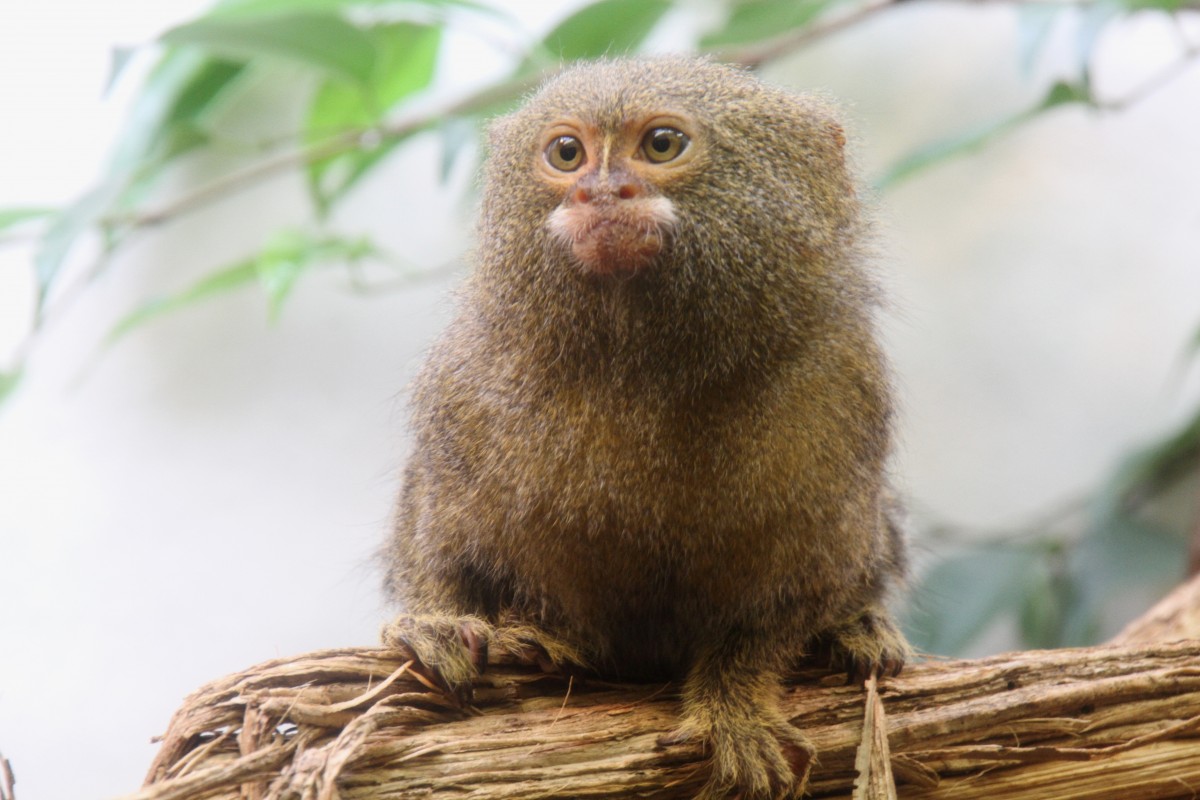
[(477, 646), (451, 649), (870, 644), (859, 671)]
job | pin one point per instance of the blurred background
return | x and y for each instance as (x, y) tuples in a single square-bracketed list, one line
[(219, 268)]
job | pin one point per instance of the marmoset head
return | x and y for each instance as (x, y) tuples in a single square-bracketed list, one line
[(623, 163)]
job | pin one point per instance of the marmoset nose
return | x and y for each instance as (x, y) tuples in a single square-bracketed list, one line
[(594, 187)]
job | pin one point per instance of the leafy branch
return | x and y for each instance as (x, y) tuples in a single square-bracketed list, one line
[(500, 95), (365, 138), (369, 68)]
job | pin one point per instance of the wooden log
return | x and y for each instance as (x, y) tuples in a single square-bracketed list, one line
[(1105, 722)]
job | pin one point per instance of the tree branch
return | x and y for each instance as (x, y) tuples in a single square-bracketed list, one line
[(751, 56), (334, 145), (1112, 721), (1171, 72), (754, 56)]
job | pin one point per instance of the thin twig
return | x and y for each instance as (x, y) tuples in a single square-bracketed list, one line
[(1155, 82), (756, 55), (348, 140), (558, 716), (341, 143), (485, 98), (236, 181), (752, 56)]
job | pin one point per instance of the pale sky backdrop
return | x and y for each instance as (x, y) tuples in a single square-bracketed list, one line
[(210, 494)]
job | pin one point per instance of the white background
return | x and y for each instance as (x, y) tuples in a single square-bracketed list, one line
[(211, 493)]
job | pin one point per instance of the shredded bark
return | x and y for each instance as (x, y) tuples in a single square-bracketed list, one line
[(1119, 720)]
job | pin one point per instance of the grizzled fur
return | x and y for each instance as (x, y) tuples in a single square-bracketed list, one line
[(678, 473)]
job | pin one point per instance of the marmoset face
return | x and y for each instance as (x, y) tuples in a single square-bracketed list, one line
[(616, 213)]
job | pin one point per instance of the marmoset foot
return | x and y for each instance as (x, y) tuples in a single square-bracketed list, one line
[(453, 648), (870, 644)]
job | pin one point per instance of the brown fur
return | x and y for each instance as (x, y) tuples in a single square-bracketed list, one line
[(669, 471)]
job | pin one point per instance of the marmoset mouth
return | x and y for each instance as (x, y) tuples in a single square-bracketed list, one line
[(617, 247), (618, 238)]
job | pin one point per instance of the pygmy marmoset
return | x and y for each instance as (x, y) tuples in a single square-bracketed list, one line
[(652, 441)]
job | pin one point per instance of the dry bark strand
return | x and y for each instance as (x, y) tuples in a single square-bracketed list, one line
[(1113, 721)]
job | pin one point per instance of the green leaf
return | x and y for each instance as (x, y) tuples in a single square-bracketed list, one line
[(406, 54), (345, 171), (1063, 93), (945, 149), (1035, 23), (1192, 348), (167, 120), (456, 135), (290, 254), (754, 20), (221, 282), (65, 229), (181, 90), (198, 92), (323, 41), (1095, 17), (249, 8), (177, 90), (11, 217), (959, 597), (1060, 93), (1169, 6), (337, 108), (1120, 551), (275, 268), (1123, 551), (1116, 555), (278, 273), (603, 28), (1150, 469), (118, 61), (1080, 622), (8, 383), (1044, 607)]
